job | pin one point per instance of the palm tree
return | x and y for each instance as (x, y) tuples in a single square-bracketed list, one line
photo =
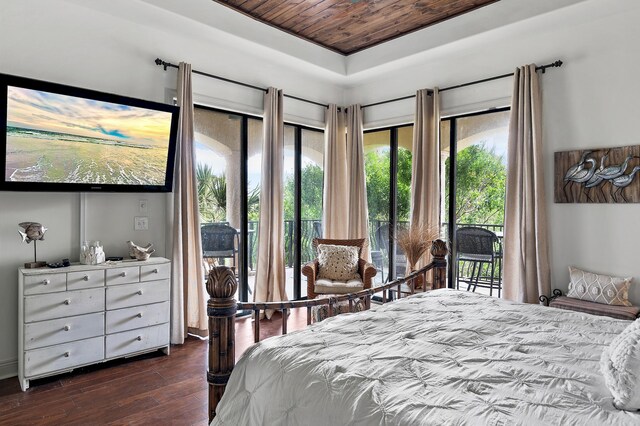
[(219, 191), (212, 198), (253, 203)]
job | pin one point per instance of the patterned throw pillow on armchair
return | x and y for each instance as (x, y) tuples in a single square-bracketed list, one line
[(339, 263)]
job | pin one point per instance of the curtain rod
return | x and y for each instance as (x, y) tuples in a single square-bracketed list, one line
[(166, 65), (542, 68)]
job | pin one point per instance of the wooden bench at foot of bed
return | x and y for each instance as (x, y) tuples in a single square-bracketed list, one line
[(572, 304)]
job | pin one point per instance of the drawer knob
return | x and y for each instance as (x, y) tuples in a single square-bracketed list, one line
[(67, 354), (155, 271), (46, 282), (139, 338), (139, 292), (67, 327), (139, 315), (123, 274), (67, 302), (86, 278)]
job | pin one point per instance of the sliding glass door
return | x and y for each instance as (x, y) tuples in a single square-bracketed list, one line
[(474, 158), (229, 161), (388, 175)]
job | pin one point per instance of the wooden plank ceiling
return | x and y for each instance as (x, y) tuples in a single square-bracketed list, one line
[(348, 26)]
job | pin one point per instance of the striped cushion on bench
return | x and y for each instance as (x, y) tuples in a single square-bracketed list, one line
[(619, 312)]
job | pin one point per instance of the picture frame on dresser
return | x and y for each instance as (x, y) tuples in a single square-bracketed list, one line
[(80, 315)]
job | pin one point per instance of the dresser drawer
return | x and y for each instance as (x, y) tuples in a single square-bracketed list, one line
[(63, 357), (57, 305), (85, 279), (127, 295), (137, 317), (136, 340), (44, 283), (47, 333), (160, 271), (116, 276)]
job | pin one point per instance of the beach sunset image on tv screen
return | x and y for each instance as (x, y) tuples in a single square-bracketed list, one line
[(54, 138)]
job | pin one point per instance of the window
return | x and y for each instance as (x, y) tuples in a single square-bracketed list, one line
[(229, 166)]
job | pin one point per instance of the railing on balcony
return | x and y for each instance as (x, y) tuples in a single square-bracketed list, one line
[(312, 228)]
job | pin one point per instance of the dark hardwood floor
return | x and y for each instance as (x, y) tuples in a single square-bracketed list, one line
[(148, 389)]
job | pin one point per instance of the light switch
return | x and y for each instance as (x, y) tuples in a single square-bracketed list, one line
[(141, 223)]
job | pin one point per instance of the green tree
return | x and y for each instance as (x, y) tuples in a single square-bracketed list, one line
[(481, 182), (253, 203), (404, 184), (212, 196), (311, 177), (377, 171)]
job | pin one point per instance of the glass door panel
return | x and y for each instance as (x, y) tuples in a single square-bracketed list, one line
[(311, 187), (478, 188), (403, 192), (377, 165), (218, 159), (289, 202), (254, 169)]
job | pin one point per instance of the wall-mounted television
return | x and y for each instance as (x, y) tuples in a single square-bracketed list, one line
[(61, 138)]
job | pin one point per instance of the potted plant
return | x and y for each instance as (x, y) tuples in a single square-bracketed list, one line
[(415, 242)]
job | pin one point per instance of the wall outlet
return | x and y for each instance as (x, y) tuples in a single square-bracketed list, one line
[(143, 206), (141, 223)]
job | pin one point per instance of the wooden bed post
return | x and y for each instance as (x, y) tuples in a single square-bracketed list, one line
[(221, 309), (439, 252)]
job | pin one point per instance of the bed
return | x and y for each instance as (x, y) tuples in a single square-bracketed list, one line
[(440, 357)]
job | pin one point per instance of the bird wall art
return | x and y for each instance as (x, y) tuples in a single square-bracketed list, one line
[(610, 175)]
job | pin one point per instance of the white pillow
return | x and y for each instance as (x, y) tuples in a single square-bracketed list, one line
[(339, 263), (598, 288), (620, 365)]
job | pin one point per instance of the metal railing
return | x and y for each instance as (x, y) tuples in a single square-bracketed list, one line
[(312, 228)]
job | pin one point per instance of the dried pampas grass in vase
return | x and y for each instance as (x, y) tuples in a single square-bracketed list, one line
[(415, 242)]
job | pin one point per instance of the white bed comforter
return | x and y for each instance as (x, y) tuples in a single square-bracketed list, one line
[(438, 358)]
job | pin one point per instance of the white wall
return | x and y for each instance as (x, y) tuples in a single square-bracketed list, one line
[(591, 102), (110, 46), (76, 43)]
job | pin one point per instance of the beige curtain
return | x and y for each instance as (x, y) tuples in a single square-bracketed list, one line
[(357, 198), (425, 165), (270, 275), (526, 262), (335, 195), (188, 294)]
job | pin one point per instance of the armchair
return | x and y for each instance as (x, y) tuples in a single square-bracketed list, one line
[(366, 270)]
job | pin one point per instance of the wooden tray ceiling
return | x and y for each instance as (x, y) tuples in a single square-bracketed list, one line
[(347, 26)]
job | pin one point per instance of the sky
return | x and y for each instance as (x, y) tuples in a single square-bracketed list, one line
[(40, 110)]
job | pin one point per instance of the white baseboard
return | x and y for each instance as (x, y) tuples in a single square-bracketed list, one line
[(8, 368)]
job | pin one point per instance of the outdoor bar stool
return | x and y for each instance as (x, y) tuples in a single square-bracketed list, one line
[(479, 249)]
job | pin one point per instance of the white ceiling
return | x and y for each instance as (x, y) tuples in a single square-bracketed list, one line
[(493, 16), (212, 20)]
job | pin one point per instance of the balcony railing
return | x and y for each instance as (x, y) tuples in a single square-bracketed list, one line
[(312, 228)]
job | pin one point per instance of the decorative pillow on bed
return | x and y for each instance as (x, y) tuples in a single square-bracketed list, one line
[(620, 365), (598, 288), (338, 263)]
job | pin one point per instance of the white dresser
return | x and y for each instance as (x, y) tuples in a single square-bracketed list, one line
[(83, 314)]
